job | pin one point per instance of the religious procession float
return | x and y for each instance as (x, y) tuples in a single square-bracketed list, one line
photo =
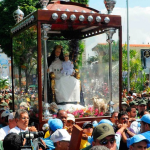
[(67, 56)]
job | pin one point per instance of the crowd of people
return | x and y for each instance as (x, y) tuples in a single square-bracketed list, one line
[(128, 129)]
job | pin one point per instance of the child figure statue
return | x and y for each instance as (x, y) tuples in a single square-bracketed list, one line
[(67, 66)]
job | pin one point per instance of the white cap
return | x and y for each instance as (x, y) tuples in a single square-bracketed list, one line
[(70, 117), (124, 103), (134, 94), (24, 104), (5, 113), (60, 135), (11, 116)]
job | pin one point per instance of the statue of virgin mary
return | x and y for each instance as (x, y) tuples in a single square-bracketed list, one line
[(67, 88)]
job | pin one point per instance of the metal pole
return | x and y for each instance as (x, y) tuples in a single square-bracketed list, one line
[(128, 47), (110, 71), (110, 32), (46, 28), (45, 71)]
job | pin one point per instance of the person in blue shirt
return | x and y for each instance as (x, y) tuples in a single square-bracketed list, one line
[(145, 127), (137, 142)]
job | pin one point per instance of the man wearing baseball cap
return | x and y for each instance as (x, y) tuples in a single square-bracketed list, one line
[(61, 139), (70, 123), (11, 124), (87, 132), (142, 106), (145, 126), (103, 134), (54, 125), (137, 142)]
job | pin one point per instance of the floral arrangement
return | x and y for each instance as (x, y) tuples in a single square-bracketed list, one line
[(86, 112)]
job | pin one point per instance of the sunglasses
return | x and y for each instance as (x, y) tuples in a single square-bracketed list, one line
[(66, 55), (105, 141), (125, 118)]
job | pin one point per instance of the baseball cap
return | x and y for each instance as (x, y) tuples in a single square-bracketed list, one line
[(60, 135), (5, 113), (142, 102), (70, 117), (6, 96), (55, 124), (87, 124), (4, 104), (133, 103), (102, 130), (146, 118), (106, 121), (136, 139), (24, 104), (124, 103), (134, 94), (11, 115)]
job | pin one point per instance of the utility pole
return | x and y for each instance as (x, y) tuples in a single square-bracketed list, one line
[(128, 47)]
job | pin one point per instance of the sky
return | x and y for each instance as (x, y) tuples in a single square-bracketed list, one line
[(139, 21)]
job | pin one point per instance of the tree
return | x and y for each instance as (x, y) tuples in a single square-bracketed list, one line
[(25, 53), (137, 78), (7, 8), (103, 50), (92, 59), (3, 84), (80, 1)]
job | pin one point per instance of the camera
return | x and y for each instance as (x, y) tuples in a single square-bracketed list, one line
[(33, 140)]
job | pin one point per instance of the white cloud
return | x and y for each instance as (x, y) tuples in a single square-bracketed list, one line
[(139, 22), (139, 27)]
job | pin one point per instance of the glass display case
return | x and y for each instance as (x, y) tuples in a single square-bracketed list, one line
[(94, 45)]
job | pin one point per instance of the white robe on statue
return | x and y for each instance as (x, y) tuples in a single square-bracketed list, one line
[(67, 88)]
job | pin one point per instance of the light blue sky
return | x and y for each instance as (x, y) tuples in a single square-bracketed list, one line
[(99, 4), (139, 11)]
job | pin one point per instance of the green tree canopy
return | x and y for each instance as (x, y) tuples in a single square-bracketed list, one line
[(7, 7), (3, 83)]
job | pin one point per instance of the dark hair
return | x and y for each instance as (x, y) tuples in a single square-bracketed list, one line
[(12, 141), (52, 57), (133, 107), (128, 109), (130, 93), (114, 112), (122, 113), (142, 113), (145, 123)]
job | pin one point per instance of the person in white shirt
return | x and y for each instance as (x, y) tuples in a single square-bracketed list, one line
[(22, 122), (11, 124)]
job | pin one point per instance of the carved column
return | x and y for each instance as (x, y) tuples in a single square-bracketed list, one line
[(45, 29), (110, 32)]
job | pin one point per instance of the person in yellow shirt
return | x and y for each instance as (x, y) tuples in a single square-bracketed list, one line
[(87, 131)]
